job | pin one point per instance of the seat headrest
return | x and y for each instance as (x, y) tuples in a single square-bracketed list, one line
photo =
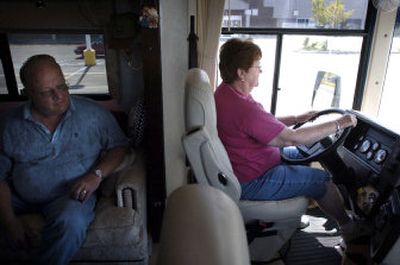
[(202, 226), (199, 102)]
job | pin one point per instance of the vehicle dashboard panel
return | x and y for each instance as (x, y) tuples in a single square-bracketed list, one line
[(372, 153), (372, 144)]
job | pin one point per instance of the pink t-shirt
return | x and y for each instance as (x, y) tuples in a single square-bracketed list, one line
[(245, 129)]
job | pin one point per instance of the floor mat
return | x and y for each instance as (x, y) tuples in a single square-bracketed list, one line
[(314, 244)]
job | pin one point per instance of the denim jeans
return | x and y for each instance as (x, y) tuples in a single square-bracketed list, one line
[(66, 222), (286, 181)]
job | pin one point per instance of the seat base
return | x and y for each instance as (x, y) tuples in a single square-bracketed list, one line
[(283, 217), (273, 211)]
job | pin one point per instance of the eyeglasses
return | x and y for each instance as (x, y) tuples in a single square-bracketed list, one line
[(258, 67), (48, 93)]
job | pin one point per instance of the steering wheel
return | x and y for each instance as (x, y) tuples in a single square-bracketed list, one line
[(311, 152)]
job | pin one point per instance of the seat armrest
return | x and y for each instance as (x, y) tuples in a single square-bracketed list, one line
[(210, 163), (130, 187)]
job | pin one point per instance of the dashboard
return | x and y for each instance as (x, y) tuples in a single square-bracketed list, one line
[(373, 148), (371, 154)]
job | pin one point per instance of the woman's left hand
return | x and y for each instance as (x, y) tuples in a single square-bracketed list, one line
[(306, 116)]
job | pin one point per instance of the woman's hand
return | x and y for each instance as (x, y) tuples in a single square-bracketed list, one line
[(306, 116), (347, 120)]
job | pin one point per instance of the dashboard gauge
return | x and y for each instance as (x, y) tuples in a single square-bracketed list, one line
[(365, 146), (375, 146), (380, 156), (370, 154)]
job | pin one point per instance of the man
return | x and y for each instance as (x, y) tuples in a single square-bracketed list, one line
[(54, 152)]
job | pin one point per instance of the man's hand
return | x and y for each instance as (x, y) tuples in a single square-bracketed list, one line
[(85, 186), (19, 235)]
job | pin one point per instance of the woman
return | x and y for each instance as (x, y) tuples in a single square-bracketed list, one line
[(252, 138)]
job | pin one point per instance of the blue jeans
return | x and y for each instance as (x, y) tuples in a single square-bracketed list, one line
[(286, 181), (66, 222)]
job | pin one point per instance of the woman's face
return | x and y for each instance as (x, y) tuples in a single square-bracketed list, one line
[(250, 77)]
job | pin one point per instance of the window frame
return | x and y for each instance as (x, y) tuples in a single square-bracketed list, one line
[(367, 35)]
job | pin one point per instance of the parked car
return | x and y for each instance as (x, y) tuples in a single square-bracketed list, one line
[(98, 46)]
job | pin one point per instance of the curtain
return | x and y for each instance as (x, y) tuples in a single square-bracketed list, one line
[(209, 21)]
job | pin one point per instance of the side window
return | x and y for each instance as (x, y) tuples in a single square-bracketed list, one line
[(304, 64), (84, 68)]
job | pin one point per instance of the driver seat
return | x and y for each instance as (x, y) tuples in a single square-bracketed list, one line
[(274, 221)]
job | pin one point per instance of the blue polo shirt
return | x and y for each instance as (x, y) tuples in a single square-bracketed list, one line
[(42, 165)]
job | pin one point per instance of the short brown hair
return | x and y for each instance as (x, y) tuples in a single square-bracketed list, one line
[(235, 54), (30, 65)]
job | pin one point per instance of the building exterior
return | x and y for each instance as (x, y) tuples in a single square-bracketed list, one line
[(287, 14)]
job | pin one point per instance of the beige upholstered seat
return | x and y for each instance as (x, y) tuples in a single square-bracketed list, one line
[(211, 166), (202, 226), (118, 232)]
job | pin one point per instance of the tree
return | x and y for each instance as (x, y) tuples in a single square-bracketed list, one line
[(319, 12), (332, 14)]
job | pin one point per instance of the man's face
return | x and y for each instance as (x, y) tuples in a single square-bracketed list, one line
[(49, 92)]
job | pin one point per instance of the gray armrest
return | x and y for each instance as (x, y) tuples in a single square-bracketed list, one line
[(130, 185), (209, 162)]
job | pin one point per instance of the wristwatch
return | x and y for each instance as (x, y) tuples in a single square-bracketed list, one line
[(99, 173)]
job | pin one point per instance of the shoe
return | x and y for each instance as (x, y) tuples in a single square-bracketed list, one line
[(356, 255), (304, 223), (357, 232)]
